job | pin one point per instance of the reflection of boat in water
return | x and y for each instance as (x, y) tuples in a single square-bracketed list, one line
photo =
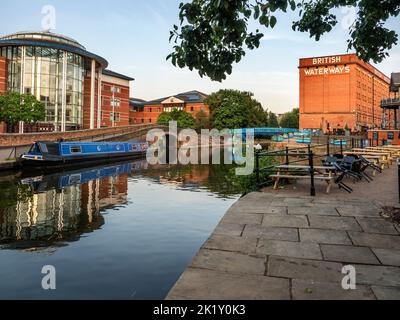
[(58, 208), (45, 154), (69, 178)]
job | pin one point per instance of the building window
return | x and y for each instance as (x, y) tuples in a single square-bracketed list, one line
[(150, 109), (150, 120), (142, 120), (115, 89), (115, 103), (191, 109), (115, 116)]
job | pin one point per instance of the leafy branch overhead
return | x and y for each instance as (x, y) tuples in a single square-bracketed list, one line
[(214, 34)]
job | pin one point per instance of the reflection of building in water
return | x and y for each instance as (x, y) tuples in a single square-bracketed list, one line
[(61, 214), (105, 193)]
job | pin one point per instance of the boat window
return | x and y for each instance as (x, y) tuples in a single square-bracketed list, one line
[(43, 148), (76, 149)]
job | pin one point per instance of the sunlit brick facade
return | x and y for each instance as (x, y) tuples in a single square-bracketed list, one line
[(148, 111), (341, 92)]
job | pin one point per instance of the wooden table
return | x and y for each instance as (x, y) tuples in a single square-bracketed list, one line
[(379, 159), (295, 172)]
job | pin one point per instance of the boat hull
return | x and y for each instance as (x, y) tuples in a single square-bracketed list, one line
[(58, 162)]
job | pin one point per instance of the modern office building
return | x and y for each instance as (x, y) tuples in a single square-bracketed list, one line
[(73, 83), (148, 111), (341, 92)]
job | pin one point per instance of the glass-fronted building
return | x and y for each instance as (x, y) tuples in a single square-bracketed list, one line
[(58, 71)]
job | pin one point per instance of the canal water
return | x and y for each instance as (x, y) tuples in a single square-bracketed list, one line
[(120, 231)]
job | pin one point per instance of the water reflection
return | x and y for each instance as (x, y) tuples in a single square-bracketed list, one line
[(44, 210), (60, 207)]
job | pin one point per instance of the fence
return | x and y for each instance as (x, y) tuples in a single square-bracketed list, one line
[(306, 155)]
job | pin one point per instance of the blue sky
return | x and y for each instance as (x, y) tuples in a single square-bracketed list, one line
[(133, 36)]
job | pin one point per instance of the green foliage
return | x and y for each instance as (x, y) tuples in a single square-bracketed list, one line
[(202, 120), (291, 119), (249, 183), (232, 109), (15, 107), (213, 34), (184, 119), (272, 120)]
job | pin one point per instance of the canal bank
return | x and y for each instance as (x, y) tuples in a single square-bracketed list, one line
[(286, 245)]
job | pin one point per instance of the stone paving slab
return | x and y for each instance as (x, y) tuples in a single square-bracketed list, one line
[(375, 240), (388, 257), (324, 236), (199, 284), (311, 290), (386, 293), (285, 221), (293, 268), (289, 249), (358, 211), (315, 210), (348, 254), (377, 226), (229, 229), (271, 233), (378, 275), (334, 223), (231, 243), (229, 262), (272, 246), (243, 219)]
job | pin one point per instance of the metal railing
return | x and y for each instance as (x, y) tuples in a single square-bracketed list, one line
[(307, 155)]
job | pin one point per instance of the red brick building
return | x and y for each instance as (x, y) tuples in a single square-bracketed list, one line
[(78, 90), (341, 92), (148, 112)]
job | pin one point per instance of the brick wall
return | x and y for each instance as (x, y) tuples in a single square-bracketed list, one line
[(340, 91), (12, 140), (107, 108), (152, 112), (3, 75)]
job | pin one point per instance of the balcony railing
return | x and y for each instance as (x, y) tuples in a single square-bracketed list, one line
[(387, 103)]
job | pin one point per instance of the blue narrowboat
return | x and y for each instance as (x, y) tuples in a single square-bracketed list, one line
[(47, 154)]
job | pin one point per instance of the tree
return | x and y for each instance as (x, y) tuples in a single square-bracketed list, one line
[(202, 120), (232, 109), (213, 34), (291, 119), (15, 107), (272, 120), (184, 119)]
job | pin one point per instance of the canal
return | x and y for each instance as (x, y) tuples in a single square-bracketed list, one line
[(120, 231)]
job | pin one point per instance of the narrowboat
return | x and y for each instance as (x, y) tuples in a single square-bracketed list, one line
[(60, 154)]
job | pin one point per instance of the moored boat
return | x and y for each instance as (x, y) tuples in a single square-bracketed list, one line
[(48, 154)]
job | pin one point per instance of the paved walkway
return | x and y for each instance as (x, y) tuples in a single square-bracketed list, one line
[(287, 245)]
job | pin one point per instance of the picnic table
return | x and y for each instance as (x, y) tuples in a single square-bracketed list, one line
[(295, 172), (395, 153), (378, 159)]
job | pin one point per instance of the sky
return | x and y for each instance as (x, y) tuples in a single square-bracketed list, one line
[(133, 35)]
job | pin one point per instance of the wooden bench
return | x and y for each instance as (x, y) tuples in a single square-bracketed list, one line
[(296, 172)]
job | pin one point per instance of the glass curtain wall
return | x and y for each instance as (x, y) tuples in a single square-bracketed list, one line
[(43, 77)]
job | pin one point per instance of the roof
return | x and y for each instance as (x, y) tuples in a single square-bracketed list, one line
[(395, 82), (45, 36), (136, 102), (117, 75), (190, 96), (50, 40)]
